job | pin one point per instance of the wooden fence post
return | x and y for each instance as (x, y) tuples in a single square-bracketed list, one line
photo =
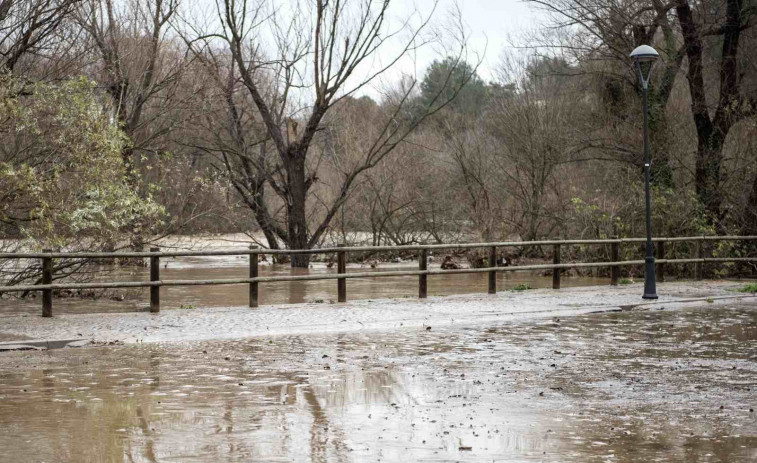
[(615, 257), (493, 273), (423, 279), (341, 283), (47, 278), (253, 274), (661, 266), (700, 255), (154, 276), (556, 271)]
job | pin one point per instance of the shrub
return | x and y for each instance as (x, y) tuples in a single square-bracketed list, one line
[(750, 288)]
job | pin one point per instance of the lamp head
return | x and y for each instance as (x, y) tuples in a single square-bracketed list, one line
[(644, 53), (644, 56)]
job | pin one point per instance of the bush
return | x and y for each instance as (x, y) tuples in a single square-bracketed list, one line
[(62, 176), (750, 288), (62, 167)]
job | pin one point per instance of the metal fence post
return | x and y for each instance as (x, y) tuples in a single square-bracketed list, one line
[(556, 271), (423, 279), (341, 283), (47, 279), (615, 257), (493, 273), (253, 274), (661, 265), (154, 276)]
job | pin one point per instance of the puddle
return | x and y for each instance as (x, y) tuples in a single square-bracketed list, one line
[(644, 386)]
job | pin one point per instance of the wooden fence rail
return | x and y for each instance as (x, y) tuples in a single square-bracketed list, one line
[(47, 287)]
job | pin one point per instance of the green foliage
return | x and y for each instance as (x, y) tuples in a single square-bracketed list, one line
[(546, 68), (597, 222), (522, 287), (444, 78), (626, 281), (187, 307), (61, 168), (674, 213), (623, 214), (750, 288)]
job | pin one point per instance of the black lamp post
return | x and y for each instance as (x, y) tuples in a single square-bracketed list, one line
[(645, 56)]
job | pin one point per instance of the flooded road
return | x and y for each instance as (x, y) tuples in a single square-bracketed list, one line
[(614, 387), (294, 292)]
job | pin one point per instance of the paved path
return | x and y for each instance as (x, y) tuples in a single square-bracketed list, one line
[(375, 315)]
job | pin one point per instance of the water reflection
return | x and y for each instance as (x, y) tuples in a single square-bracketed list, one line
[(614, 387)]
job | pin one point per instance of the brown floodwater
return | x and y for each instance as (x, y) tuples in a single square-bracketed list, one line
[(614, 387), (193, 268)]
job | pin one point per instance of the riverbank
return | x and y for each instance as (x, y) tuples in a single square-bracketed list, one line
[(224, 323)]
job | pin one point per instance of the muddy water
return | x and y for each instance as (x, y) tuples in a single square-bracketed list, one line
[(618, 387), (274, 293)]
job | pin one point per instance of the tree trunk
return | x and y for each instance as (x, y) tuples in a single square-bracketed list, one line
[(707, 174), (297, 220), (712, 131), (257, 183), (749, 219), (262, 219)]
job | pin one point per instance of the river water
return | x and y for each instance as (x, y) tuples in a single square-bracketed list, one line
[(205, 268), (615, 387)]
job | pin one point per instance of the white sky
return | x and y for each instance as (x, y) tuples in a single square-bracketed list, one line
[(492, 26)]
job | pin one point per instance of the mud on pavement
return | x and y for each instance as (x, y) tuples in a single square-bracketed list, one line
[(655, 385)]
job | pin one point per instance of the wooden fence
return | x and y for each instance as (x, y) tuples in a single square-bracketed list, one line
[(254, 280)]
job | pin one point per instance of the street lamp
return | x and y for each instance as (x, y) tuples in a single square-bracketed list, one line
[(645, 56)]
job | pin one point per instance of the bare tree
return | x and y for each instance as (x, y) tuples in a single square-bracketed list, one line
[(471, 157), (600, 35), (397, 201), (135, 63), (538, 130), (32, 29), (681, 29), (228, 128), (140, 68), (732, 106), (320, 55)]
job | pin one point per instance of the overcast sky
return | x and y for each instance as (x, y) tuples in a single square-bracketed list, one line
[(493, 22), (492, 25)]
